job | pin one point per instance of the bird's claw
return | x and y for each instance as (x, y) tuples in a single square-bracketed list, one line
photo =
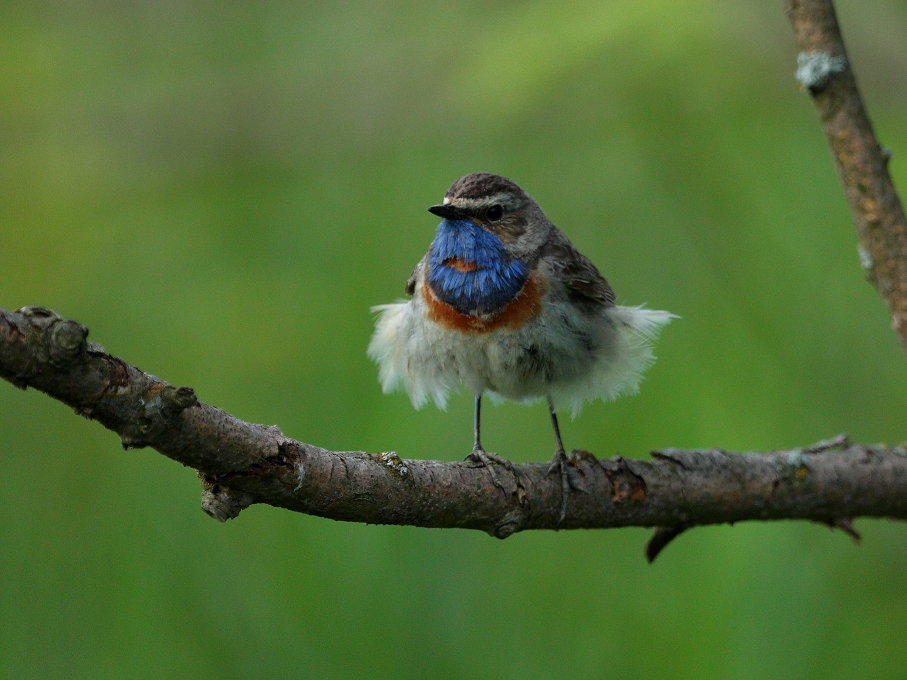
[(481, 458), (559, 465)]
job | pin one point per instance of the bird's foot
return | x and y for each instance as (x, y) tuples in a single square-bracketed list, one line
[(558, 465), (481, 458)]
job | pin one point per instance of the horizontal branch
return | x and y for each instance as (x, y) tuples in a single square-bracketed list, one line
[(243, 463)]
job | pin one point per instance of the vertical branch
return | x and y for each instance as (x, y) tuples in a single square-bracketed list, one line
[(824, 70)]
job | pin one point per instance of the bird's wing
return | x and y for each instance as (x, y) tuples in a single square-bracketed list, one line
[(582, 279), (414, 277)]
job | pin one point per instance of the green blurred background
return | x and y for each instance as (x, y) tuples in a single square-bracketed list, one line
[(221, 190)]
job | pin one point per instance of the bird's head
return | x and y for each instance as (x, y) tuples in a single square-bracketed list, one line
[(500, 207)]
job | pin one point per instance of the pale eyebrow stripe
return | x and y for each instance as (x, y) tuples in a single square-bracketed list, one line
[(477, 202)]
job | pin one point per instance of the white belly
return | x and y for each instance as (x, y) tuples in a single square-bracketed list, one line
[(560, 353)]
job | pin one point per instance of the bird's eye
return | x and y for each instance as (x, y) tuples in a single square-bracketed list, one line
[(494, 212)]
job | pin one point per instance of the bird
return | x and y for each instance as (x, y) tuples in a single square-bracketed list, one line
[(503, 303)]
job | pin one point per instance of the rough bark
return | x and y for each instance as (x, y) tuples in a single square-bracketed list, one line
[(242, 463), (825, 71)]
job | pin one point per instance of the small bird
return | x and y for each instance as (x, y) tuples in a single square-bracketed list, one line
[(503, 302)]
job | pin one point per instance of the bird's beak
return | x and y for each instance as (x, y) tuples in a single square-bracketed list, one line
[(448, 212)]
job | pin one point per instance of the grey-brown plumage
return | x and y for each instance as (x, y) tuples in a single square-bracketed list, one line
[(504, 303)]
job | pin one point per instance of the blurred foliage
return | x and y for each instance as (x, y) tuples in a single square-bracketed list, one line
[(221, 190)]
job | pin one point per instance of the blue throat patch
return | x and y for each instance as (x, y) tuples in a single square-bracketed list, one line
[(471, 270)]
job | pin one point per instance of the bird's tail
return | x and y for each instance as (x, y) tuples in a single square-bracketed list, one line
[(620, 367)]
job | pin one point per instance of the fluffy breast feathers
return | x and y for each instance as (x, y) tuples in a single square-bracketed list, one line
[(483, 317)]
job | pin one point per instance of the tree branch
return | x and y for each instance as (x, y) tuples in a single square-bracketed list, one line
[(824, 70), (242, 463)]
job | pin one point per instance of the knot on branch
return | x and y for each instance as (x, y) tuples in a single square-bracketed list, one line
[(223, 503), (626, 484), (59, 342), (509, 524), (158, 407)]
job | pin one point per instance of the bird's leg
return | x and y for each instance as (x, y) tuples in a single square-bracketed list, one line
[(559, 462), (479, 455), (477, 424)]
